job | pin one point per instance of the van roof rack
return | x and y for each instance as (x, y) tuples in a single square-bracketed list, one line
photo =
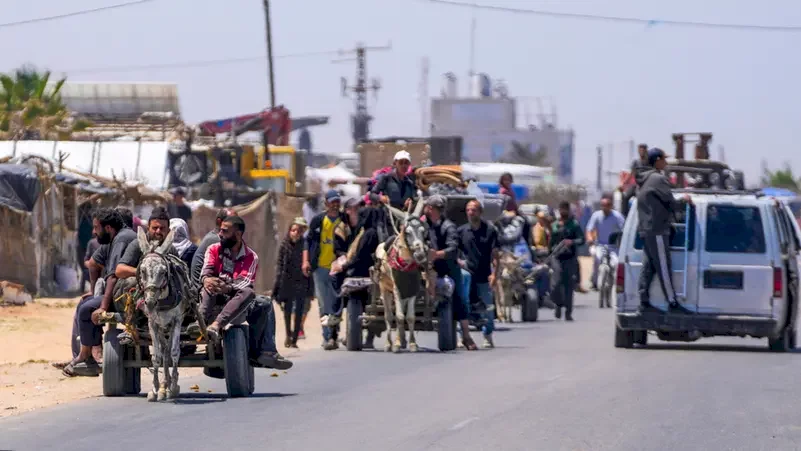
[(720, 192)]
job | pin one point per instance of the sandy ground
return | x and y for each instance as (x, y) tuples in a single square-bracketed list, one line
[(38, 333)]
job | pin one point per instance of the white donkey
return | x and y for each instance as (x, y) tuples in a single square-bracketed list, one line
[(163, 278), (399, 274)]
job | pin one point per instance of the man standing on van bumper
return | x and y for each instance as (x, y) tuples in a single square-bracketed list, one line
[(656, 207)]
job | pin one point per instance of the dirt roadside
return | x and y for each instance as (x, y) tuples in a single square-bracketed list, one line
[(38, 333)]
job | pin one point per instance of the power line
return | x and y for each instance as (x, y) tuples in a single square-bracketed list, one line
[(634, 20), (195, 63), (74, 13)]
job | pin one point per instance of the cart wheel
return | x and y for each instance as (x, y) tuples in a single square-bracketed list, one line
[(641, 337), (446, 330), (113, 364), (530, 306), (133, 376), (235, 361), (354, 342)]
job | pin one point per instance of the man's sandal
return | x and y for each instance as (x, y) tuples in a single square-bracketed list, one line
[(470, 345), (87, 369)]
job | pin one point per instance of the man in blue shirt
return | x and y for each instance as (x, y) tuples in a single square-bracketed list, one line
[(601, 225)]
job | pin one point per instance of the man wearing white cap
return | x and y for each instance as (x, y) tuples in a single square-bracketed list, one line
[(397, 188)]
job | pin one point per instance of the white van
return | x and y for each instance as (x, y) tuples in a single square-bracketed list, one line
[(742, 251)]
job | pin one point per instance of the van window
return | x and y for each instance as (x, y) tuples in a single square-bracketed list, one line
[(677, 233), (734, 229)]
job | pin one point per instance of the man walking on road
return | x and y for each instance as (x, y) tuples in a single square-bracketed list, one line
[(318, 257), (656, 208), (565, 265), (478, 240)]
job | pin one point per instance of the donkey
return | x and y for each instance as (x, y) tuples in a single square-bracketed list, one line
[(510, 284), (399, 265), (163, 279)]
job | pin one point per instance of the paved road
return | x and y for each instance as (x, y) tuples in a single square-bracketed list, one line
[(547, 386)]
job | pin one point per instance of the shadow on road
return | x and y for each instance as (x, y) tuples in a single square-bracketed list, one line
[(712, 348), (208, 398)]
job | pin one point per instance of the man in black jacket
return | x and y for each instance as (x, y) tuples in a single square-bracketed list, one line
[(656, 208), (444, 254)]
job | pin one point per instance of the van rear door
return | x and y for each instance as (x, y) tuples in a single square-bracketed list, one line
[(736, 261), (633, 264)]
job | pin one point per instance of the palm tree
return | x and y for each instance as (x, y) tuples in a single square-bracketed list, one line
[(30, 109), (521, 153), (782, 178)]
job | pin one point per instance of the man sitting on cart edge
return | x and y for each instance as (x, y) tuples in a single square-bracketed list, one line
[(656, 208), (397, 188), (444, 254), (228, 275)]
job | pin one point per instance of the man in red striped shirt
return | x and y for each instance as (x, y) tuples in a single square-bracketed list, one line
[(228, 275)]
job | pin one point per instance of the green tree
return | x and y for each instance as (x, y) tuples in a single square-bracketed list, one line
[(782, 178), (30, 108)]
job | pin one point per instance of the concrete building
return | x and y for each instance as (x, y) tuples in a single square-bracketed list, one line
[(487, 122)]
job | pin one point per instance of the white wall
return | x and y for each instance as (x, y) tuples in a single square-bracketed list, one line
[(113, 157)]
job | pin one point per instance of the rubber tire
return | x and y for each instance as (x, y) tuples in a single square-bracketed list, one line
[(641, 337), (780, 343), (238, 372), (624, 338), (792, 337), (113, 364), (354, 337), (133, 376), (446, 329), (530, 307)]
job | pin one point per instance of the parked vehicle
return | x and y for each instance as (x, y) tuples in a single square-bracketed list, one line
[(735, 259)]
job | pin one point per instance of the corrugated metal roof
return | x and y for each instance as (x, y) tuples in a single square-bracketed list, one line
[(122, 100)]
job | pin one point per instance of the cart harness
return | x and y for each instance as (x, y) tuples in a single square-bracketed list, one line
[(398, 263)]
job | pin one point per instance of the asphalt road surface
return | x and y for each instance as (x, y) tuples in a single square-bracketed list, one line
[(549, 385)]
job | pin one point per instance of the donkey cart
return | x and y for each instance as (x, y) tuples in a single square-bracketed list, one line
[(228, 360), (430, 314)]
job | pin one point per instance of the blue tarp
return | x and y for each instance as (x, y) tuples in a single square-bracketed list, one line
[(19, 186), (521, 191)]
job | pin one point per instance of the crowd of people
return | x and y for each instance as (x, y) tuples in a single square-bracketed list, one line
[(324, 248), (222, 271)]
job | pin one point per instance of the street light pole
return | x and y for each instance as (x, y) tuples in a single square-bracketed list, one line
[(270, 52)]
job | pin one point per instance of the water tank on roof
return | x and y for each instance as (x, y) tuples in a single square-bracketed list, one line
[(480, 86), (449, 86)]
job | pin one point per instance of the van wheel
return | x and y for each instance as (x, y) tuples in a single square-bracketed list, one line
[(792, 337), (780, 343), (623, 338), (641, 337)]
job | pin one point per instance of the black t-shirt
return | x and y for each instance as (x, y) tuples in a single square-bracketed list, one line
[(181, 211), (133, 253), (91, 247), (477, 247), (109, 255), (200, 254)]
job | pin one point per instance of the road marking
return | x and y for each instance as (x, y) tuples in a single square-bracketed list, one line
[(462, 424)]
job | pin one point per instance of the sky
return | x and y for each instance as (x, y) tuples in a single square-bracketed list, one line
[(611, 82)]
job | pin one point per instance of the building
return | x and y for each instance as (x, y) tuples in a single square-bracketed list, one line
[(487, 122)]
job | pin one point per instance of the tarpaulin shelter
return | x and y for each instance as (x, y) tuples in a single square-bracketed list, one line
[(38, 217), (267, 220)]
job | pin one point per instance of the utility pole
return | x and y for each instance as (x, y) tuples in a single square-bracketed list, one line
[(360, 121), (599, 174), (631, 150), (271, 72), (425, 105)]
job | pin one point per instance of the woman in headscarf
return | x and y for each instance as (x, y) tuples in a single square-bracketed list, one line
[(359, 258), (181, 242)]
